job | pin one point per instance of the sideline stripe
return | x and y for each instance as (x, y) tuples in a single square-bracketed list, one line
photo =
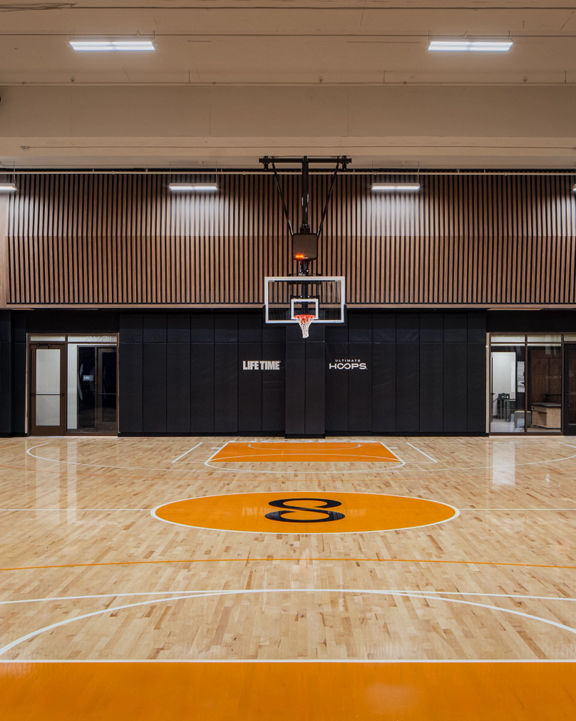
[(290, 560), (285, 660)]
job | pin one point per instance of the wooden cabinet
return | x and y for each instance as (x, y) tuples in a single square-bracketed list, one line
[(546, 415)]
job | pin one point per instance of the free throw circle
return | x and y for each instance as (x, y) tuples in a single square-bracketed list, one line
[(305, 512)]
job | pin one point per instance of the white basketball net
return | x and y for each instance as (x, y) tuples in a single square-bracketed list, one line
[(304, 321)]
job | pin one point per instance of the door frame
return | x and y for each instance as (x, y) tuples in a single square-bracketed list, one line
[(567, 428), (525, 433), (34, 429), (45, 339), (100, 349)]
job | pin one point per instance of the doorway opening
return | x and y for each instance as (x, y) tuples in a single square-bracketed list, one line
[(72, 382), (526, 383)]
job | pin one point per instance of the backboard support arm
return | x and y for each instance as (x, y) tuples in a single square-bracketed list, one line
[(340, 161)]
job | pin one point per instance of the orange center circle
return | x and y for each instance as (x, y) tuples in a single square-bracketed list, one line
[(305, 512)]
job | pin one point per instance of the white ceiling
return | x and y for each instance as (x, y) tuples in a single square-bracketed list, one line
[(272, 54)]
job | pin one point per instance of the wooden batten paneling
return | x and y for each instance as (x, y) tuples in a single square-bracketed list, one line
[(110, 240)]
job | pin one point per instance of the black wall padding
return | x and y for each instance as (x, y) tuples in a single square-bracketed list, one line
[(5, 373), (305, 382), (19, 373), (130, 357), (12, 373), (425, 372), (182, 373)]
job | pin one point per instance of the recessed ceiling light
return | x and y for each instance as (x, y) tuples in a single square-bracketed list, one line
[(470, 46), (111, 46), (395, 187), (193, 187), (8, 188)]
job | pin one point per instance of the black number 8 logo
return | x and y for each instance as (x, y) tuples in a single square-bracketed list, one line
[(289, 510)]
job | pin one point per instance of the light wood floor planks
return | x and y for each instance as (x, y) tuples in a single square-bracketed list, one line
[(89, 574)]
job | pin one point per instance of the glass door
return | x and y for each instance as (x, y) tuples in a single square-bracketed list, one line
[(508, 384), (570, 388), (48, 389), (544, 383), (526, 383), (106, 389), (96, 389)]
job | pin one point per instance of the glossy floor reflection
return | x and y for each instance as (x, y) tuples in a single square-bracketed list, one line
[(470, 618)]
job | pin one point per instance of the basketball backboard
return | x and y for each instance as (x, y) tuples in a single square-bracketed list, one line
[(289, 298)]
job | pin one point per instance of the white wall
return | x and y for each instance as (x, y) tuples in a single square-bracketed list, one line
[(227, 126), (503, 375)]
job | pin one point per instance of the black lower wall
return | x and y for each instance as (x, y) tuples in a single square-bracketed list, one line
[(181, 372), (420, 372), (6, 373)]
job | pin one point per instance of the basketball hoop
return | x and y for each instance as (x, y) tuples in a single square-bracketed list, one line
[(305, 299), (304, 321)]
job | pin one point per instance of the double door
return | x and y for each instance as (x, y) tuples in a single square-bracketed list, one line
[(72, 389)]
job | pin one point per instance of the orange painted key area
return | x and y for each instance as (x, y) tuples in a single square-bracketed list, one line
[(288, 691), (305, 512), (310, 452)]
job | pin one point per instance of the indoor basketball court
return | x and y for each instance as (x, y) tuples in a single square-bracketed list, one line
[(211, 577), (287, 361)]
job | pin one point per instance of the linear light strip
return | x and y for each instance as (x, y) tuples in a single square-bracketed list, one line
[(470, 46), (193, 187), (395, 187), (8, 188), (95, 46)]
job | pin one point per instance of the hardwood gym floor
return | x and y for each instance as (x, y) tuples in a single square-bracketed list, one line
[(401, 578)]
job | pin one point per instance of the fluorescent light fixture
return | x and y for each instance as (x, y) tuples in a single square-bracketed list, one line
[(8, 188), (574, 188), (193, 187), (395, 187), (470, 46), (111, 46)]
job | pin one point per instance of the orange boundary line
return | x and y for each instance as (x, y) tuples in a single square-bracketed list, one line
[(270, 560)]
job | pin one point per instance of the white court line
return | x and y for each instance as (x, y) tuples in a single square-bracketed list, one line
[(272, 457), (395, 467), (383, 468), (415, 591), (557, 510), (72, 508), (90, 465), (187, 452), (371, 592), (81, 510), (382, 465), (402, 462), (218, 449), (305, 533), (422, 452), (317, 441)]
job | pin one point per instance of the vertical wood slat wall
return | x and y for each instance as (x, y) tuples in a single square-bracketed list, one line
[(84, 240)]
